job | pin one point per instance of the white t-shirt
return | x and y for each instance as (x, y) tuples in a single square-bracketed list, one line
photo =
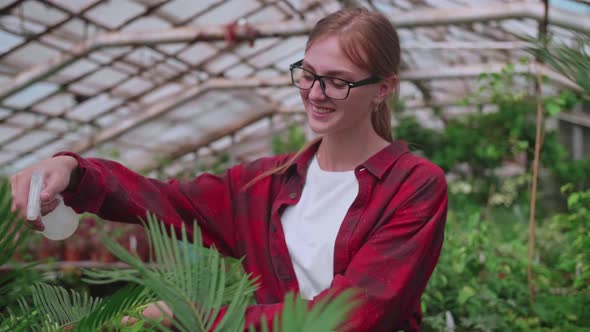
[(312, 224)]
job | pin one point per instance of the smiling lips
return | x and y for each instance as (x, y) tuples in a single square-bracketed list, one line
[(322, 110)]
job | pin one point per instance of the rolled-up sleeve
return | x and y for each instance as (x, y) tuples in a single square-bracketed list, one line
[(116, 193)]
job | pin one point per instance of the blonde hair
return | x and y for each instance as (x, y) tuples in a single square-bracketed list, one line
[(370, 41)]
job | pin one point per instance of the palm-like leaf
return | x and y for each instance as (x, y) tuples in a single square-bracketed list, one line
[(111, 310), (16, 322), (13, 234), (56, 307), (190, 279), (184, 275), (572, 61), (327, 315), (12, 229)]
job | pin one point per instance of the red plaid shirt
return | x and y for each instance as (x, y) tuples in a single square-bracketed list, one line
[(387, 246)]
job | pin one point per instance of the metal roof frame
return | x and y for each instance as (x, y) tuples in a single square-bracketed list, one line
[(113, 80)]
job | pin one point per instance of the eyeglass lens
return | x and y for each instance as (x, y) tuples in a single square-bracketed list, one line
[(332, 87)]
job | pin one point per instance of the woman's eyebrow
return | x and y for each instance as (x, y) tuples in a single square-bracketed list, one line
[(329, 72)]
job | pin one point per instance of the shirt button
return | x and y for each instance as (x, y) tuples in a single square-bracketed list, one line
[(293, 195), (273, 228)]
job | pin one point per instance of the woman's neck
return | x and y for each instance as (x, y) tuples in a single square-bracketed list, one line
[(339, 153)]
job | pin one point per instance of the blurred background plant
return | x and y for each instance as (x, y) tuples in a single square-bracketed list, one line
[(480, 283)]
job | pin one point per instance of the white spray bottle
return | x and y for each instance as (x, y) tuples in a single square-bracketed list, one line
[(60, 223)]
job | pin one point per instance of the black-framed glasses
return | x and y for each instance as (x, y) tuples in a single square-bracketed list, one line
[(333, 87)]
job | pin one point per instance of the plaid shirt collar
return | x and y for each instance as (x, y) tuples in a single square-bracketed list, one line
[(378, 164)]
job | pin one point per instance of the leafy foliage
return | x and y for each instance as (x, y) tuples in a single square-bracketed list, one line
[(475, 145), (480, 283), (13, 232), (290, 141), (13, 235), (58, 307), (181, 281), (325, 316), (481, 279), (130, 300), (574, 226), (573, 61), (190, 279)]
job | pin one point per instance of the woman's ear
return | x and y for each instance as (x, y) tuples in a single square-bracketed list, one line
[(386, 88)]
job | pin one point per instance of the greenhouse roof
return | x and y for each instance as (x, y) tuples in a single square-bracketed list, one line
[(153, 82)]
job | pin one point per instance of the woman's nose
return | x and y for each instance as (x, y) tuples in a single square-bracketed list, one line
[(316, 92)]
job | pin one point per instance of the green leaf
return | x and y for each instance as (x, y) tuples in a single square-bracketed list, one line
[(326, 315), (124, 300), (553, 108), (465, 294), (13, 232), (573, 200)]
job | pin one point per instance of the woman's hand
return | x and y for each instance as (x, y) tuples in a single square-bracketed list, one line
[(57, 172), (153, 312)]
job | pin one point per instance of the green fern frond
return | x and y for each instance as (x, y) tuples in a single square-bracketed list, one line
[(95, 276), (13, 234), (15, 322), (326, 315), (58, 307), (109, 313), (13, 231), (191, 280)]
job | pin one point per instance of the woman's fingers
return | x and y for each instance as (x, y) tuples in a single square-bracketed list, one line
[(36, 224), (57, 172), (128, 321), (18, 196), (152, 312), (48, 206)]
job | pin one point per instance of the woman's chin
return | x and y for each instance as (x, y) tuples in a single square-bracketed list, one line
[(320, 126), (319, 129)]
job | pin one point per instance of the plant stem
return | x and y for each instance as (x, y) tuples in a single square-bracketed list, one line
[(538, 143)]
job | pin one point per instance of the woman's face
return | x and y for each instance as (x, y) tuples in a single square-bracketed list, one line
[(331, 116)]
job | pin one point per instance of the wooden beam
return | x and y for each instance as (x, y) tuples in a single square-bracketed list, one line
[(465, 71), (575, 117), (460, 45), (243, 147), (119, 39), (162, 107), (519, 10), (424, 17), (170, 103), (209, 138)]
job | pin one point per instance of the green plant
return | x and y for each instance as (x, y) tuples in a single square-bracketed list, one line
[(13, 232), (574, 256), (474, 146), (572, 60), (481, 281), (290, 141), (13, 235), (189, 278)]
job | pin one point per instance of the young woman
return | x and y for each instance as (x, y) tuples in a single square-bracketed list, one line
[(353, 209)]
